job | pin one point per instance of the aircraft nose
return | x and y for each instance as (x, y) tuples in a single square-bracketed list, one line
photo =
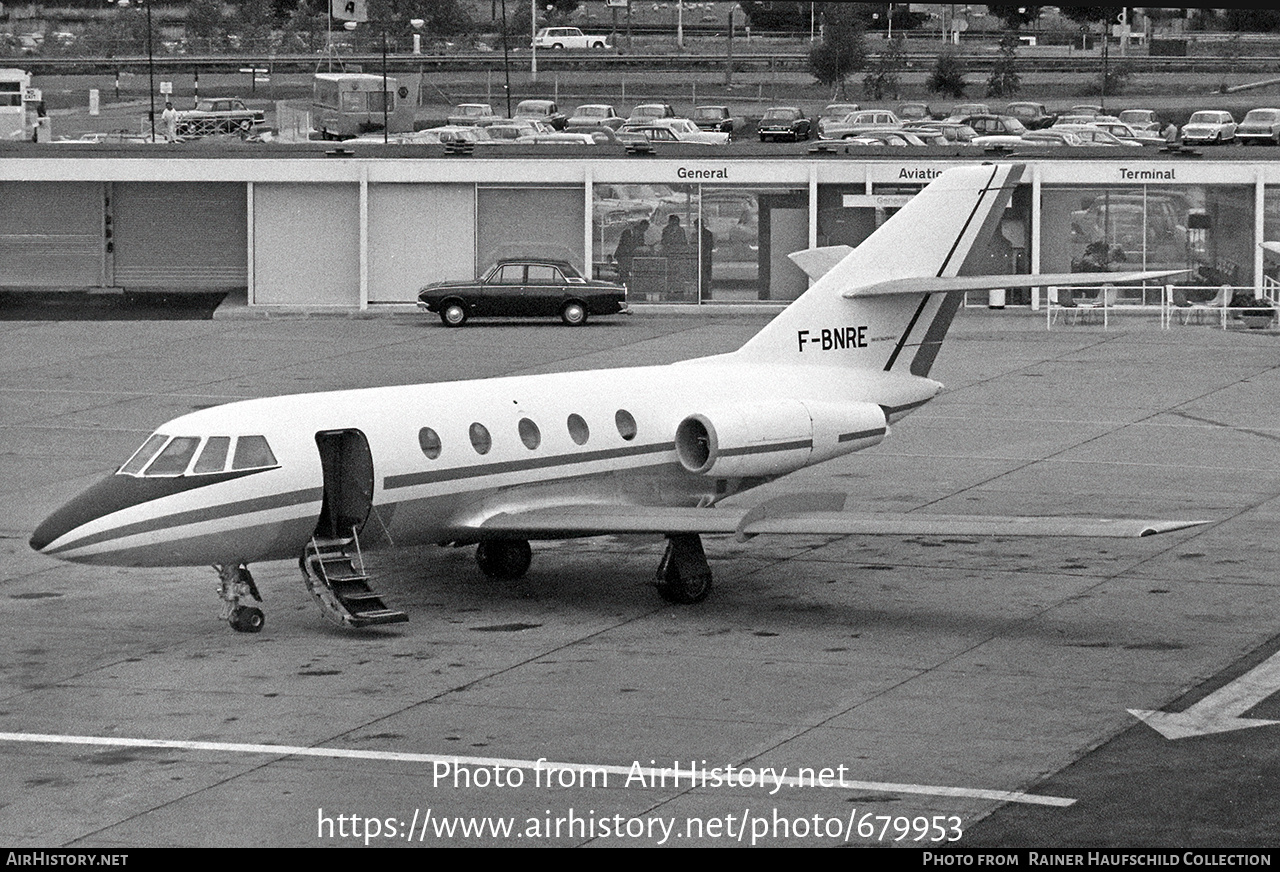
[(108, 495)]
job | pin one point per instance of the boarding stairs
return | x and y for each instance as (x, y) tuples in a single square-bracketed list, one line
[(335, 574)]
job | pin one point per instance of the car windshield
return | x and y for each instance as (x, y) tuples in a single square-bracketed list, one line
[(1262, 115), (709, 112), (594, 111), (780, 114), (1205, 118)]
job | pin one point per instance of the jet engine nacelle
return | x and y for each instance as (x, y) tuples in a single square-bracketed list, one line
[(773, 439)]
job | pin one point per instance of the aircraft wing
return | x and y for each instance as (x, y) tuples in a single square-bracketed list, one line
[(798, 514)]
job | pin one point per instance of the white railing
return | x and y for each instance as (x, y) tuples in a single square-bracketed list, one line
[(1176, 304)]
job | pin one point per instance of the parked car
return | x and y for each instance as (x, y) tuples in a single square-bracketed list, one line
[(524, 287), (1051, 136), (647, 112), (567, 37), (963, 110), (219, 115), (508, 132), (894, 137), (679, 130), (475, 114), (1128, 135), (954, 132), (718, 118), (784, 122), (1142, 119), (541, 110), (833, 112), (993, 125), (1092, 134), (856, 122), (1209, 126), (1034, 116), (595, 115), (1261, 126), (1086, 109), (908, 112)]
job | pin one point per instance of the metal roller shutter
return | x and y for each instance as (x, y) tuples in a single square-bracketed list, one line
[(51, 234), (180, 235)]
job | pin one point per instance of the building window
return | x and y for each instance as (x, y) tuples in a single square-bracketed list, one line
[(429, 442), (626, 424), (480, 439), (579, 432), (529, 434)]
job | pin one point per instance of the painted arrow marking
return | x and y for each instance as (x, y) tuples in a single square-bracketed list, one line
[(1220, 711)]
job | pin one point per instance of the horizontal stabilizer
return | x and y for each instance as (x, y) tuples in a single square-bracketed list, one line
[(942, 284), (817, 262), (783, 516)]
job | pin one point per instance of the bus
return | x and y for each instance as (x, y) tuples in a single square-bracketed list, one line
[(345, 105), (14, 85)]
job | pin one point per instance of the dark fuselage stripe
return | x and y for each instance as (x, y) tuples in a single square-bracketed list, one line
[(765, 449), (392, 482), (861, 434), (195, 516)]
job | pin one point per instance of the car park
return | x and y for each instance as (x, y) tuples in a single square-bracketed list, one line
[(646, 113), (1034, 116), (717, 118), (541, 110), (595, 115), (856, 122), (1209, 127), (1259, 126), (1127, 134), (784, 122), (477, 114), (524, 288), (1142, 119), (679, 130)]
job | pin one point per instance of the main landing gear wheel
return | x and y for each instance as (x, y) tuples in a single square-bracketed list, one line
[(247, 619), (235, 583), (504, 558), (453, 315), (684, 576)]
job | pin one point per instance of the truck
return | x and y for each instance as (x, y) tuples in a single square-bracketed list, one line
[(567, 37), (219, 115)]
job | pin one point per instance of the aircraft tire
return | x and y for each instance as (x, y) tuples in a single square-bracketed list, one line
[(504, 559), (246, 619), (453, 315), (574, 314), (685, 591)]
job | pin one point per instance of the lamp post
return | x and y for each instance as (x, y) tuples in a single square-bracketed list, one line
[(151, 65)]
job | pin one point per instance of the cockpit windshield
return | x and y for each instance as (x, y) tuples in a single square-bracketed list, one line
[(163, 455)]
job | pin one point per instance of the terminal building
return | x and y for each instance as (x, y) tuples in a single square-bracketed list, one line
[(324, 226)]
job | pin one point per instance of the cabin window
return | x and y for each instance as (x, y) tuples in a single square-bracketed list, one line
[(529, 434), (480, 439), (429, 442), (579, 432), (253, 452), (140, 457), (175, 457), (213, 458), (626, 424)]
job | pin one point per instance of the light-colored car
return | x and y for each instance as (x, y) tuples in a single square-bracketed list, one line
[(953, 131), (963, 110), (595, 115), (856, 122), (1260, 126), (1128, 135), (1208, 126), (557, 38), (993, 125), (895, 138), (1050, 137), (540, 110), (1142, 119), (834, 112), (473, 114), (647, 113), (1093, 134), (510, 132), (680, 130)]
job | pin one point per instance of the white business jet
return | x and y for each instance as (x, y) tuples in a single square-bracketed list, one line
[(499, 462)]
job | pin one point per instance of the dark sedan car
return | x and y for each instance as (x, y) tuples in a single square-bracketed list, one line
[(524, 288), (783, 122)]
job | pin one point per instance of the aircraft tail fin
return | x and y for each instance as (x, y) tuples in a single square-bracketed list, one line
[(942, 232)]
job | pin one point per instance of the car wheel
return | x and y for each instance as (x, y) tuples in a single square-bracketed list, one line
[(453, 315), (557, 47), (597, 45), (764, 138), (574, 314)]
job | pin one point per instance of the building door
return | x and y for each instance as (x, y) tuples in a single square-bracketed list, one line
[(348, 483)]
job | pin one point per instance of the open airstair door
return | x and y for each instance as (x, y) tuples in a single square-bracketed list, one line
[(332, 563), (348, 483)]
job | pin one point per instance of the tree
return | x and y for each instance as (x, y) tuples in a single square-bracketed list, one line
[(1004, 80), (948, 74), (883, 80), (1015, 17), (204, 19), (777, 16), (840, 52)]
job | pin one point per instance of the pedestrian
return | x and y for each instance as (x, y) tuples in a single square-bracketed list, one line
[(673, 238), (629, 242), (1170, 132), (706, 241), (169, 117)]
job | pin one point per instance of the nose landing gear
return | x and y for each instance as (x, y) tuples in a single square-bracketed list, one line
[(235, 583)]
